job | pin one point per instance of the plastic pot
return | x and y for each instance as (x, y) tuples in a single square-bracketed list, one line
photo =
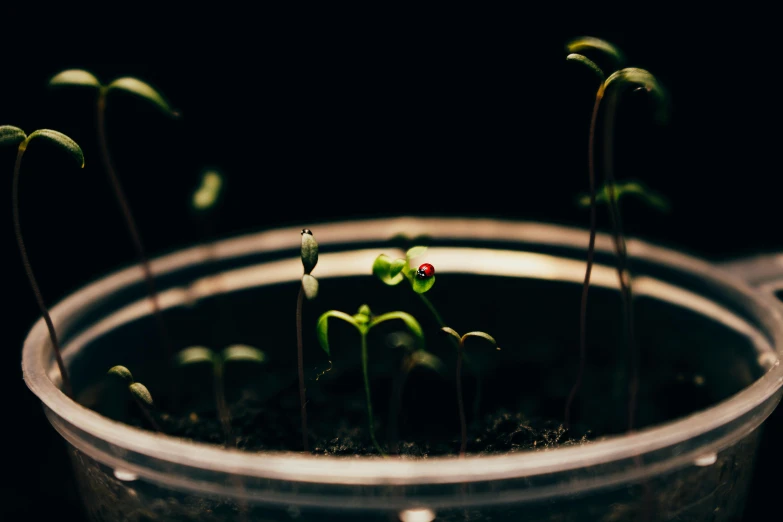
[(709, 349)]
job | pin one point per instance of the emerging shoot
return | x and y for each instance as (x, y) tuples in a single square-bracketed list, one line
[(460, 404), (364, 321), (309, 289), (140, 394), (235, 353), (82, 78), (14, 136)]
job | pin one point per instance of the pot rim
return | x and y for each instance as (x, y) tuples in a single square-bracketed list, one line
[(295, 467)]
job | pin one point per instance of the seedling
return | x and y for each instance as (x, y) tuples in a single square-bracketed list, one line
[(141, 395), (14, 136), (460, 404), (364, 321), (82, 78), (309, 289), (412, 357), (610, 88), (628, 188), (236, 353)]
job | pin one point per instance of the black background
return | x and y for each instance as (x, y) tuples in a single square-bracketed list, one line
[(476, 116)]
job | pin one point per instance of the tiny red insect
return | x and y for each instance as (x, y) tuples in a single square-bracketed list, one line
[(425, 270)]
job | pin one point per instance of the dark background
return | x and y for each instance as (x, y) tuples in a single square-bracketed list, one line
[(478, 117)]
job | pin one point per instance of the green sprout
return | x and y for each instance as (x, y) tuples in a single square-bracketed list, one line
[(196, 355), (82, 78), (609, 89), (14, 136), (309, 289), (460, 404), (141, 395), (364, 321), (413, 357)]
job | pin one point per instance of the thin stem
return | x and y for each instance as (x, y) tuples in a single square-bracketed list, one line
[(590, 253), (463, 425), (29, 270), (396, 406), (224, 414), (366, 374), (129, 221), (622, 259), (148, 415), (300, 364)]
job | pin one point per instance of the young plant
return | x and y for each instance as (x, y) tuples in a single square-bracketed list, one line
[(235, 353), (460, 404), (610, 90), (14, 136), (82, 78), (413, 357), (364, 321), (140, 394), (309, 289)]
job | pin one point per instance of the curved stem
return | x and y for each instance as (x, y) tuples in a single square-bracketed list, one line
[(300, 367), (29, 271), (590, 253), (395, 405), (622, 259), (129, 221), (148, 415), (460, 404), (365, 373)]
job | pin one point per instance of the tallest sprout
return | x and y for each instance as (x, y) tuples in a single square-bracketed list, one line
[(309, 289), (82, 78), (14, 136)]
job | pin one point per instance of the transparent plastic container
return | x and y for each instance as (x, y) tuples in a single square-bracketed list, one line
[(693, 316)]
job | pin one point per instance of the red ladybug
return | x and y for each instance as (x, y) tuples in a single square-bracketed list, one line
[(425, 270)]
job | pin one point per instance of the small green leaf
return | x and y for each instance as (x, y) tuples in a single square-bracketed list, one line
[(310, 286), (396, 267), (645, 80), (422, 285), (209, 192), (194, 355), (144, 90), (428, 360), (382, 269), (415, 252), (242, 352), (624, 188), (10, 135), (122, 372), (587, 44), (309, 250), (452, 332), (412, 324), (365, 311), (140, 392), (59, 139), (589, 63), (77, 77), (322, 327), (482, 335)]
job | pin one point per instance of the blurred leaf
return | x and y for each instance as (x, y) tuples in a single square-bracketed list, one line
[(209, 192), (242, 352), (382, 269), (482, 335), (77, 77), (633, 76), (452, 332), (624, 188), (587, 62), (588, 44), (428, 360), (195, 355), (144, 90), (415, 252)]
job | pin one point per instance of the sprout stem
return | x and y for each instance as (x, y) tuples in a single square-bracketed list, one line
[(300, 364), (365, 373), (129, 221), (460, 404), (29, 270)]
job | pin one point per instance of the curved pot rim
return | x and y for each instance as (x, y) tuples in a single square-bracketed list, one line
[(369, 470)]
